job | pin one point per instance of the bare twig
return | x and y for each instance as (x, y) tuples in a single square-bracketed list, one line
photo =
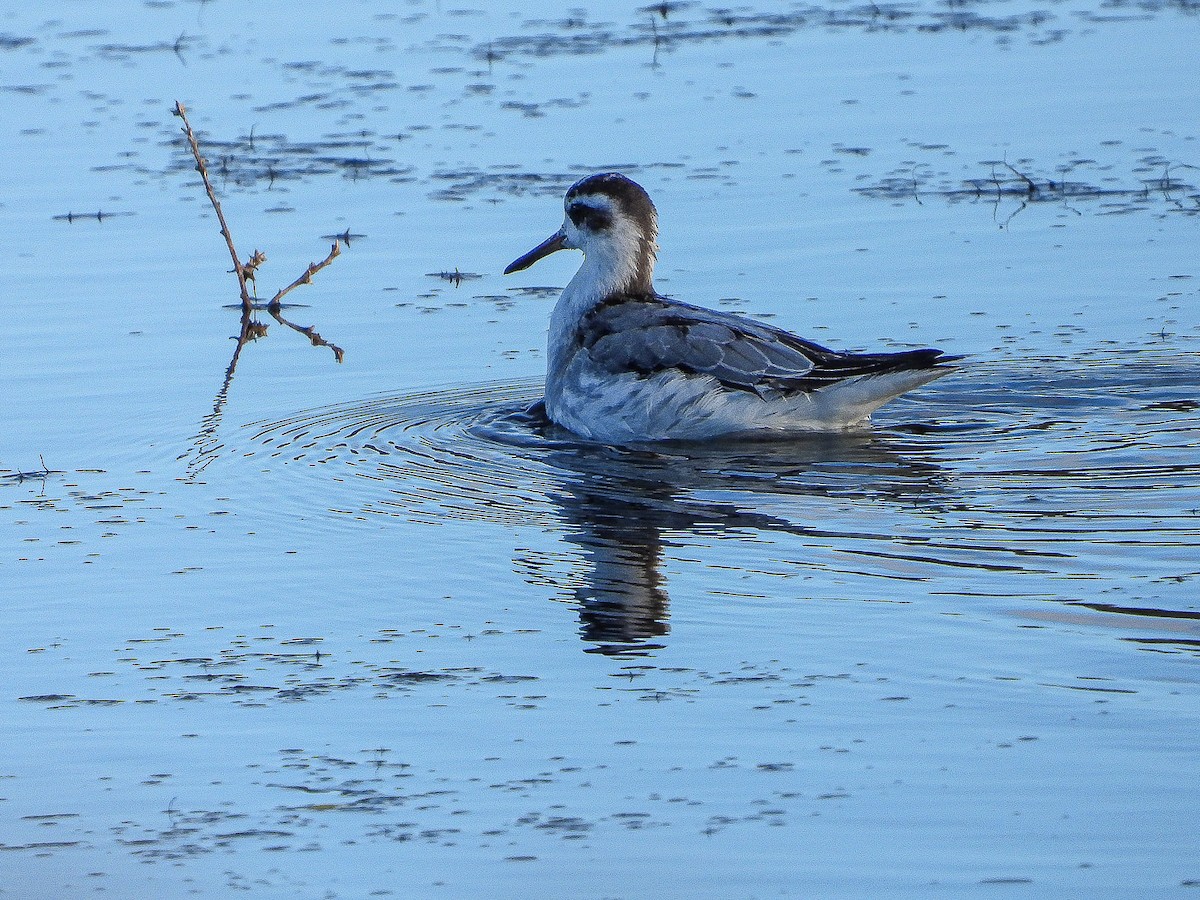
[(206, 444), (1013, 214), (19, 476), (1033, 188), (246, 271), (308, 331), (306, 278), (238, 269), (1164, 183), (999, 194)]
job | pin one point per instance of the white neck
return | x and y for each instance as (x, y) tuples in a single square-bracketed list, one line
[(621, 260), (582, 293)]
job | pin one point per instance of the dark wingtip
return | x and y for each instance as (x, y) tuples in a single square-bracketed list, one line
[(947, 359), (926, 358)]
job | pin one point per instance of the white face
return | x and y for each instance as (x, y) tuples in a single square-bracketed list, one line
[(590, 219), (618, 248)]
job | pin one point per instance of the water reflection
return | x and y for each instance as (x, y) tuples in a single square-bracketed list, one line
[(206, 445), (622, 509), (620, 591), (1153, 184), (1039, 485)]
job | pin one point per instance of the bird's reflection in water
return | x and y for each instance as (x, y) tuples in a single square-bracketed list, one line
[(982, 484), (622, 600), (620, 507)]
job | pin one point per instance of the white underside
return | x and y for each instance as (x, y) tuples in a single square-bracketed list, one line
[(670, 405)]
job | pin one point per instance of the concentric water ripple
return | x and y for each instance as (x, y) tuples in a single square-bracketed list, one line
[(486, 452), (1065, 480)]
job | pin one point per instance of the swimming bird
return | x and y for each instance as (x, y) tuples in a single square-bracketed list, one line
[(627, 365)]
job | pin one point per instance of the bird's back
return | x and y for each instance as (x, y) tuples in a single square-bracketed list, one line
[(643, 367)]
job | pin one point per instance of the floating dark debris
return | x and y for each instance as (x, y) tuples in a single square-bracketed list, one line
[(1000, 180), (35, 475), (463, 184), (31, 90), (456, 277), (47, 698), (40, 845), (346, 237), (124, 51), (12, 42), (266, 158), (99, 215), (417, 677), (665, 27), (666, 8), (540, 292)]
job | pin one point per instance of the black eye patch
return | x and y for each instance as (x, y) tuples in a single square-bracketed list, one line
[(585, 216)]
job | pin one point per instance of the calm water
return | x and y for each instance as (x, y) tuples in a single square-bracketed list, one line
[(301, 628)]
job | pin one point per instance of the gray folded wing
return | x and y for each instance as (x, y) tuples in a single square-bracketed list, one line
[(645, 335), (650, 335)]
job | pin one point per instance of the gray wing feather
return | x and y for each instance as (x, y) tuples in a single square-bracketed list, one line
[(649, 335)]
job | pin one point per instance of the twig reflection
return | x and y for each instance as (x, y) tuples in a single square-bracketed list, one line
[(206, 445), (308, 331)]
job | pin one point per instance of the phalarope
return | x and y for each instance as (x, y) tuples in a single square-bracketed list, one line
[(627, 365)]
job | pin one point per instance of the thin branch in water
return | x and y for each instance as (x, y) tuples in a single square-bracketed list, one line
[(306, 278), (238, 269), (1033, 188), (206, 444), (1165, 184), (999, 194), (1013, 214), (246, 271), (20, 476)]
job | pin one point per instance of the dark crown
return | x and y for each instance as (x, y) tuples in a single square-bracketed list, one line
[(628, 195)]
